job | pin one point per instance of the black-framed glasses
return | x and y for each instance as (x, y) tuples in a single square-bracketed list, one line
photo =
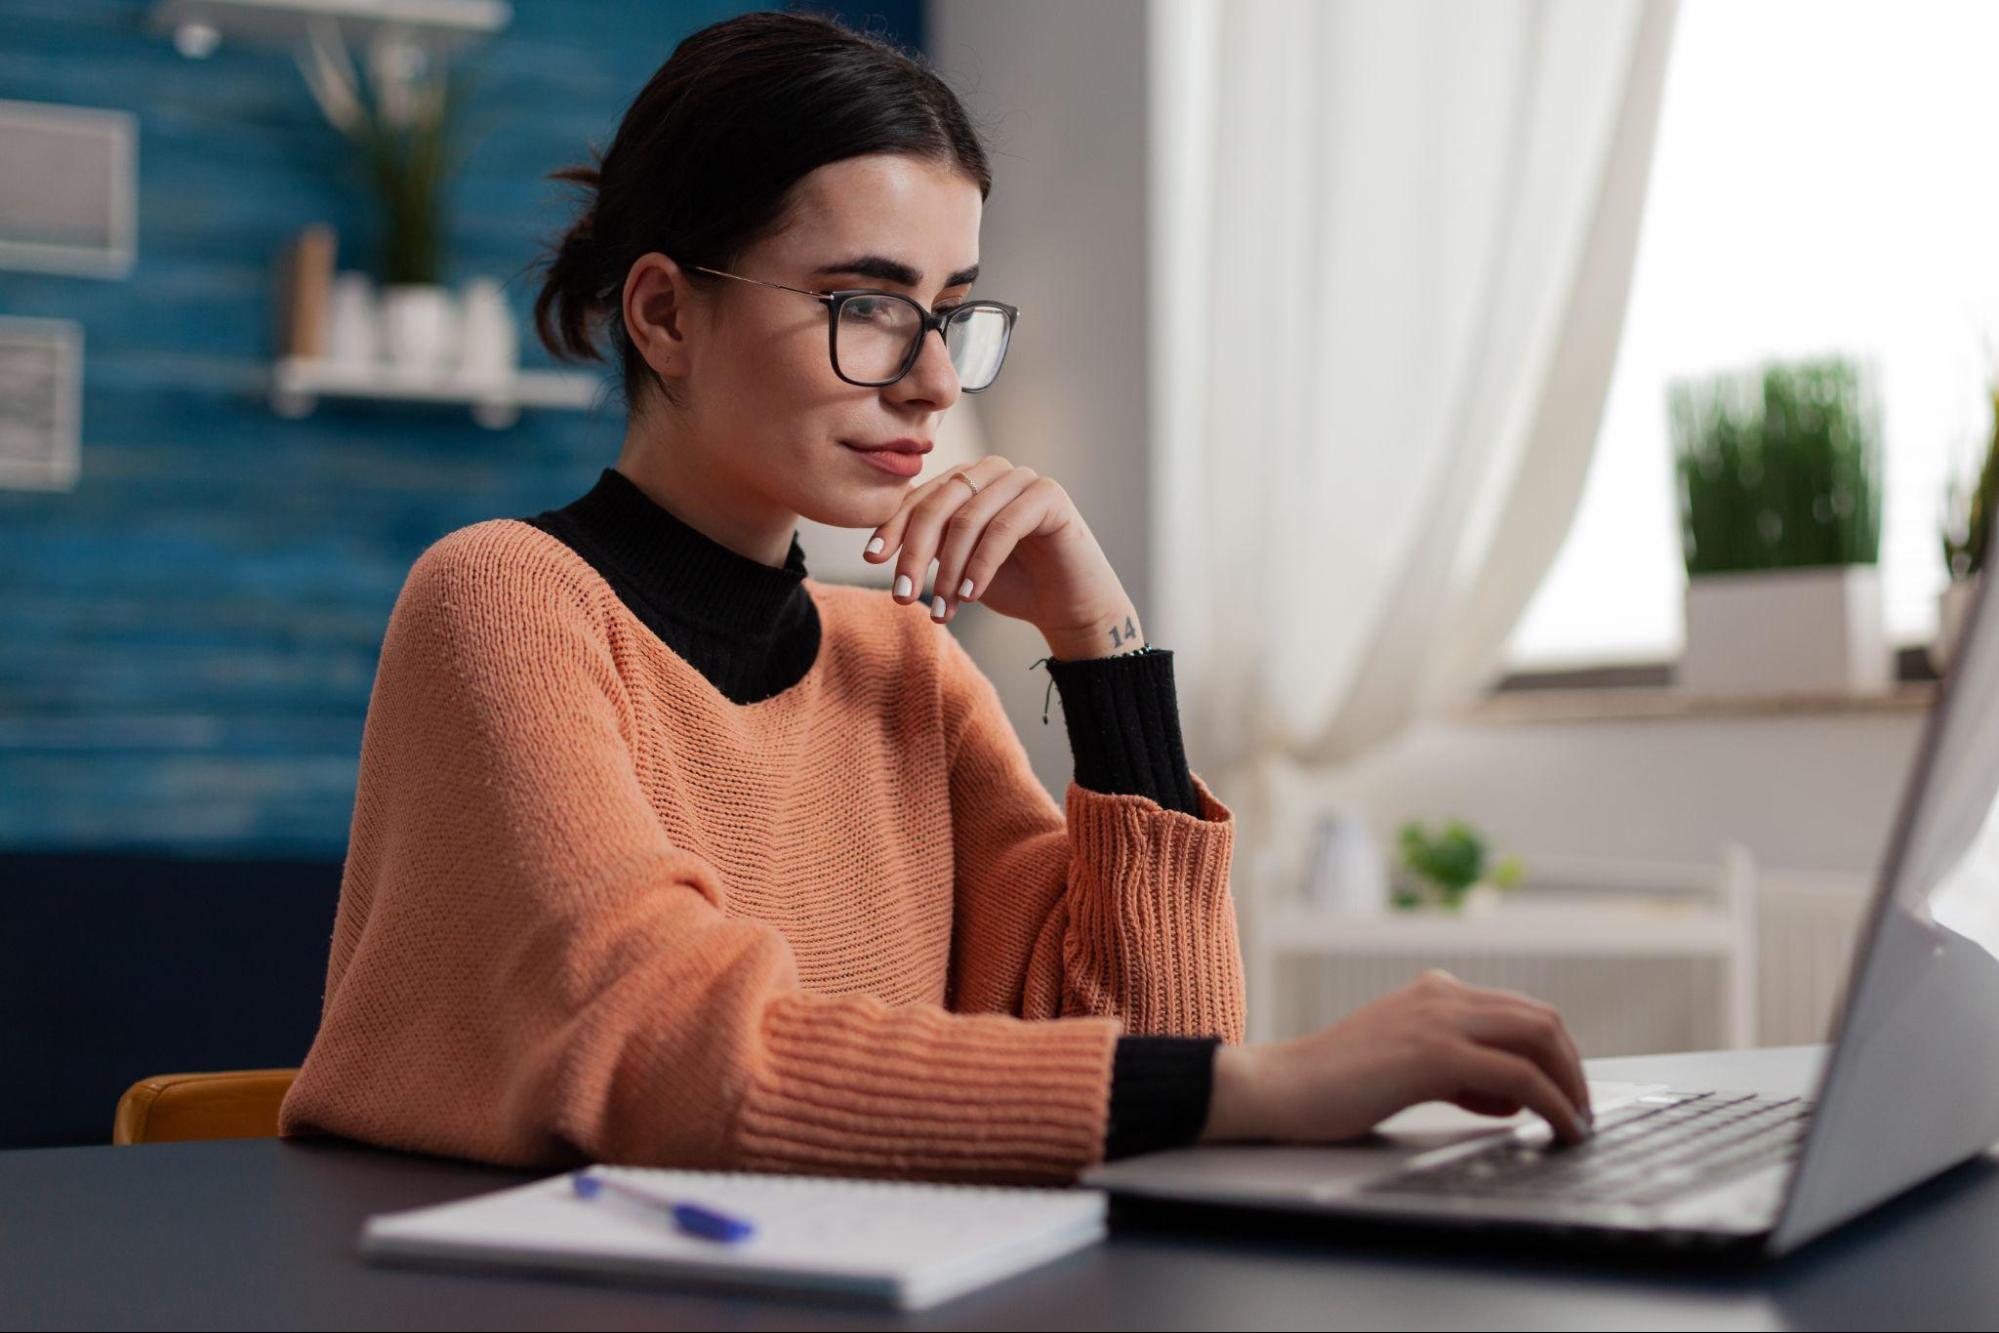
[(874, 337)]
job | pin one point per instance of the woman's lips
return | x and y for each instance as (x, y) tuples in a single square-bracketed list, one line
[(892, 461)]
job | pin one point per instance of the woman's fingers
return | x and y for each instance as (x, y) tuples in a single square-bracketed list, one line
[(1520, 1000), (1538, 1035), (889, 534), (979, 534), (1487, 1072), (892, 533), (1481, 1104), (912, 535)]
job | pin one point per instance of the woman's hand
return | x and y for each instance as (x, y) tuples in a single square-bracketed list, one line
[(1436, 1039), (1021, 546)]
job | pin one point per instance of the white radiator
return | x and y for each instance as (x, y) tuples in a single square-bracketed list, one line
[(1806, 925), (1628, 1006)]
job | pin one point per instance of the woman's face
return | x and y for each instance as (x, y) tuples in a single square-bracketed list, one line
[(766, 416)]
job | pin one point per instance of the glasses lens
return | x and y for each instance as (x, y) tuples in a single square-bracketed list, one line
[(874, 334), (977, 340)]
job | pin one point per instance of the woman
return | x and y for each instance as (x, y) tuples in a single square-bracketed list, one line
[(665, 853)]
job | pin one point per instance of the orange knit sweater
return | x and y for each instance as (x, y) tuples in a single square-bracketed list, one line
[(594, 911)]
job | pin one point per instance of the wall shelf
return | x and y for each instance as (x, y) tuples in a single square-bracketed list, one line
[(298, 383), (198, 26)]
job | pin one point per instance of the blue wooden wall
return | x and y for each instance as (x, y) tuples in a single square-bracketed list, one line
[(187, 639)]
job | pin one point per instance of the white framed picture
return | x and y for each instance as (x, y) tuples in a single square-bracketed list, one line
[(41, 403), (71, 206)]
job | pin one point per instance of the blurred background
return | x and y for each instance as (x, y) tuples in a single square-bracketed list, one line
[(1555, 439)]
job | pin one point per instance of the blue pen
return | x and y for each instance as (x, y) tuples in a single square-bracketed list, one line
[(689, 1217)]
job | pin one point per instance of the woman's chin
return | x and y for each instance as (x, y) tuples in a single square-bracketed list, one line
[(876, 505), (861, 511)]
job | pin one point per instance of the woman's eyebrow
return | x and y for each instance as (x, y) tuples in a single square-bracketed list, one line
[(890, 270)]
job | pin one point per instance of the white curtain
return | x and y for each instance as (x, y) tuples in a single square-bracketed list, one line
[(1393, 241)]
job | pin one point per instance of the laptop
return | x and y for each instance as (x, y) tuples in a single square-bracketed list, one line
[(1906, 1089)]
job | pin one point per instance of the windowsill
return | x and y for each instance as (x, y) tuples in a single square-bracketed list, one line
[(1643, 691), (1629, 703)]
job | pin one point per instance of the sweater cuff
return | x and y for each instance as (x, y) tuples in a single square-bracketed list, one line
[(855, 1086), (1123, 718), (1160, 1088)]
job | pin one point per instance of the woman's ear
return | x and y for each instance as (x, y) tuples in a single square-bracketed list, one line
[(659, 307)]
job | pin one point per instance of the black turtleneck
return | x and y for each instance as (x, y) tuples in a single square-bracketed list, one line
[(750, 628), (753, 631)]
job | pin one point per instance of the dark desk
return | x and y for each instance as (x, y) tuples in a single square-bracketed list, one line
[(260, 1233)]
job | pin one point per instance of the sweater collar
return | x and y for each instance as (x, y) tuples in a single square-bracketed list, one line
[(682, 570)]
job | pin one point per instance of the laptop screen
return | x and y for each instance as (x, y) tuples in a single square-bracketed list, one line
[(1912, 1085), (1950, 873)]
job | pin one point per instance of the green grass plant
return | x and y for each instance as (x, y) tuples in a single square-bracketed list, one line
[(1778, 467), (1969, 511)]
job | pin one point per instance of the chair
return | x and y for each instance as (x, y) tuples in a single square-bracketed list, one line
[(235, 1104)]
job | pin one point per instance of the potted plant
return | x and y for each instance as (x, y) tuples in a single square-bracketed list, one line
[(1969, 512), (1779, 479), (400, 120), (1449, 869)]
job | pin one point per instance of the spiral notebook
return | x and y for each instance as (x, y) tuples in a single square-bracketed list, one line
[(907, 1244)]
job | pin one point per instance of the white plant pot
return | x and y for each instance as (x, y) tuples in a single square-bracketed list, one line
[(1346, 871), (1786, 631), (1953, 605), (353, 328), (488, 347), (416, 326)]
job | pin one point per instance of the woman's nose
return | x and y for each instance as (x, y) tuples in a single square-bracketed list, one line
[(933, 376)]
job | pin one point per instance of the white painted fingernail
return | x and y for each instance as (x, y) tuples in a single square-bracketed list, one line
[(965, 588), (937, 605), (902, 585), (875, 546)]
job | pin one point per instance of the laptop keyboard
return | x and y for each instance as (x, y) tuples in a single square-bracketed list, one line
[(1643, 1152)]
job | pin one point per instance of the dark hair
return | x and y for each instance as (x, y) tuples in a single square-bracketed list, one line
[(705, 158)]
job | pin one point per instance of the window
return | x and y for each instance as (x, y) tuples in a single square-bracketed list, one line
[(1822, 181)]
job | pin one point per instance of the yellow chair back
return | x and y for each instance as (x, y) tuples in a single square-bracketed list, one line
[(235, 1104)]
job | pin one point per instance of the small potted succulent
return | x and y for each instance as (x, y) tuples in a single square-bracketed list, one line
[(1969, 513), (1779, 473), (1451, 869)]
